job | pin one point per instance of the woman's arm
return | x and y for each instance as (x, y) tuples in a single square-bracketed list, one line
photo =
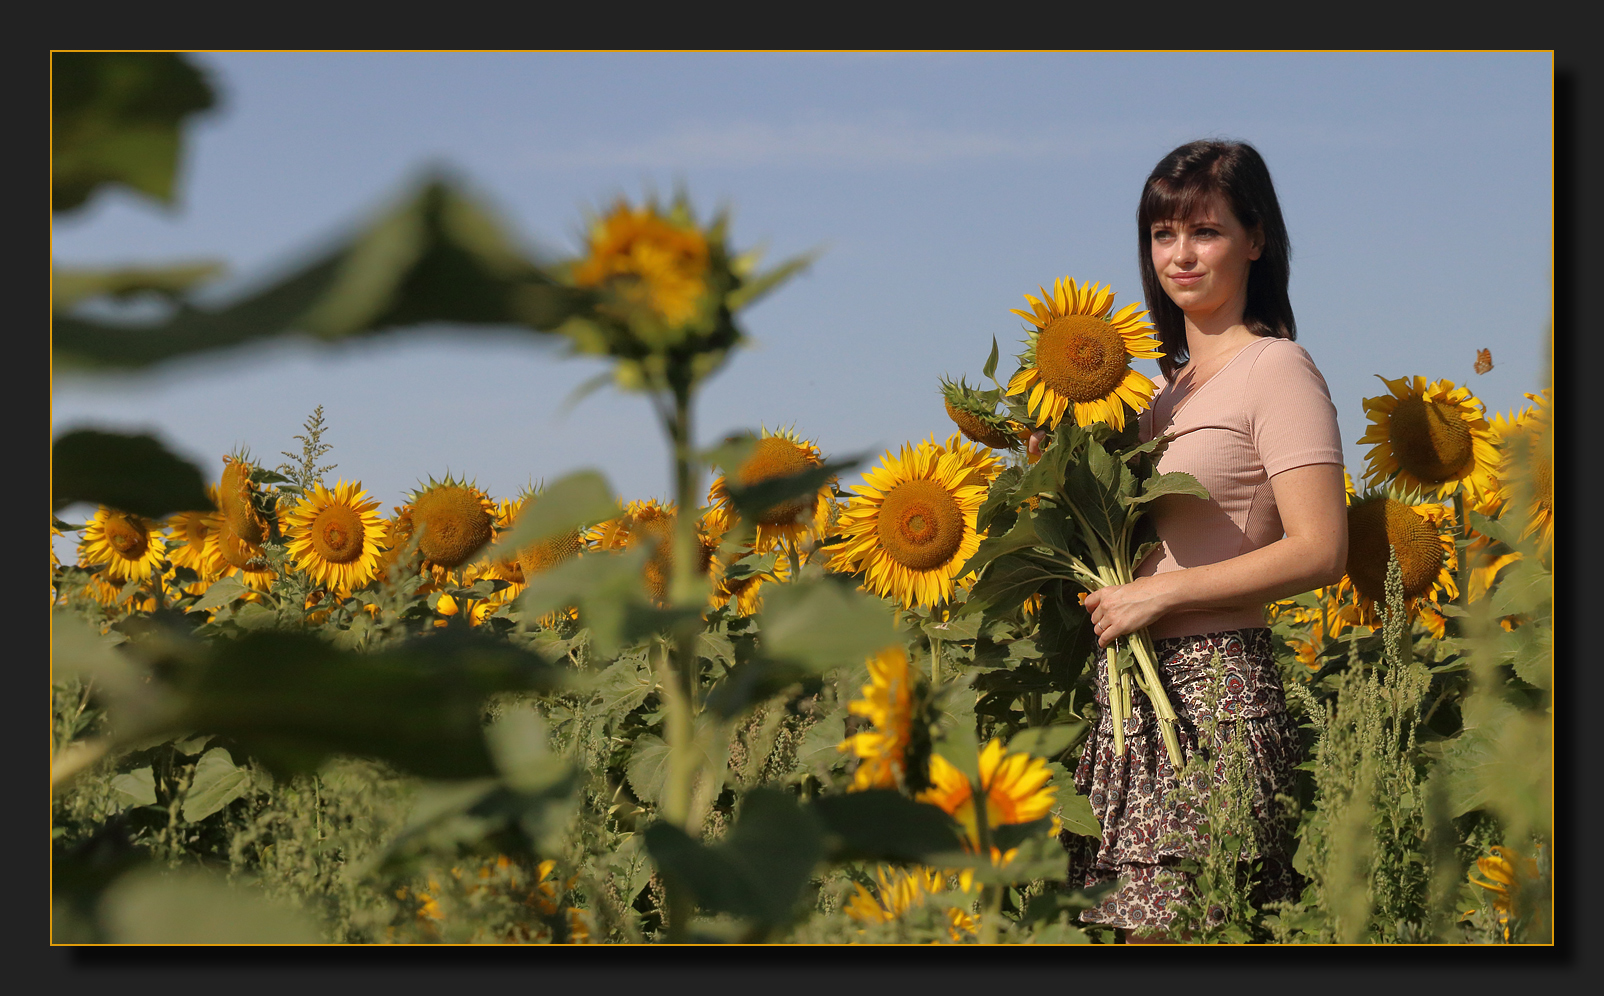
[(1313, 553)]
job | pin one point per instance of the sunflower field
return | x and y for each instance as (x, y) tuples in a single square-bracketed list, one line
[(766, 707)]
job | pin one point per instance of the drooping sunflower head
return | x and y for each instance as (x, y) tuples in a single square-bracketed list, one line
[(1380, 526), (1079, 355), (1432, 437), (650, 258), (127, 544), (776, 453), (911, 524), (977, 419), (454, 520), (1016, 788), (236, 498), (887, 702), (336, 536)]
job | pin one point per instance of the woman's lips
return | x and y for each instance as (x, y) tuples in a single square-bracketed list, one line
[(1186, 278)]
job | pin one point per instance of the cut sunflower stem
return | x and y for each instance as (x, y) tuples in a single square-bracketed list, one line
[(1116, 708)]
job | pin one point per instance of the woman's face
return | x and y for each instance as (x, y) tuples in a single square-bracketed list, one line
[(1203, 262)]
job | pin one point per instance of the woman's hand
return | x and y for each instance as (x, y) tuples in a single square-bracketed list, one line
[(1120, 609)]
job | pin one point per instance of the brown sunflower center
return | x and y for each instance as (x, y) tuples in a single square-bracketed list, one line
[(1429, 439), (777, 457), (1380, 525), (1081, 357), (978, 429), (920, 525), (545, 555), (454, 522), (127, 537), (337, 534)]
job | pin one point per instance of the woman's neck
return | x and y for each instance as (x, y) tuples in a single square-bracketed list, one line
[(1217, 335)]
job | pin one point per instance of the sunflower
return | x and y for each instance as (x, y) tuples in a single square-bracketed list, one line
[(652, 520), (455, 519), (398, 532), (746, 592), (186, 540), (245, 560), (126, 543), (778, 453), (1015, 786), (1526, 468), (887, 702), (1431, 438), (507, 568), (651, 261), (979, 420), (236, 498), (1080, 355), (1416, 534), (334, 536), (911, 525), (899, 890), (1504, 871)]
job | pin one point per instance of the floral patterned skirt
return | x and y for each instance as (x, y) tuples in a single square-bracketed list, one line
[(1144, 835)]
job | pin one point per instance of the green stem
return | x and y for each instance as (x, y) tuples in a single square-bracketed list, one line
[(680, 672), (1116, 707), (935, 661)]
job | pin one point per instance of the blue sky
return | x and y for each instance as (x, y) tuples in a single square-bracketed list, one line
[(940, 188)]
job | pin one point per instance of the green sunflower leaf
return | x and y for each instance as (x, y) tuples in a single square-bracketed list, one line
[(133, 473)]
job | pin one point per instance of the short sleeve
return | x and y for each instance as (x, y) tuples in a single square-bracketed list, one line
[(1289, 411)]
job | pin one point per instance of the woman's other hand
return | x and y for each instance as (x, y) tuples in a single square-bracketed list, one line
[(1034, 444), (1121, 609)]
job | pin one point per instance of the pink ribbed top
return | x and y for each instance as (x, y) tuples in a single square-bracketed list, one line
[(1267, 410)]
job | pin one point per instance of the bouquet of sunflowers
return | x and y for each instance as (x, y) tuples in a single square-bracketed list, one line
[(1072, 520)]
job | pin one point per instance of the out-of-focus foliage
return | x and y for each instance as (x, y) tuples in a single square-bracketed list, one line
[(554, 717)]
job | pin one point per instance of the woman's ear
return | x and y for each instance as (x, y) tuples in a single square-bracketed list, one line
[(1256, 243)]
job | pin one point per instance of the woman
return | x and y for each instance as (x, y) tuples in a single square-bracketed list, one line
[(1252, 420)]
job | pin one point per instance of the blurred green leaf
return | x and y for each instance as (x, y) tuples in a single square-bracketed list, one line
[(437, 255), (189, 906), (759, 285), (990, 369), (133, 473), (69, 286), (116, 117), (607, 588), (823, 624), (291, 700), (216, 783), (221, 592), (573, 502), (753, 501), (757, 872), (884, 825)]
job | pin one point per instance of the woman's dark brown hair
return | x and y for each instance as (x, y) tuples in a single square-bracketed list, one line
[(1177, 187)]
